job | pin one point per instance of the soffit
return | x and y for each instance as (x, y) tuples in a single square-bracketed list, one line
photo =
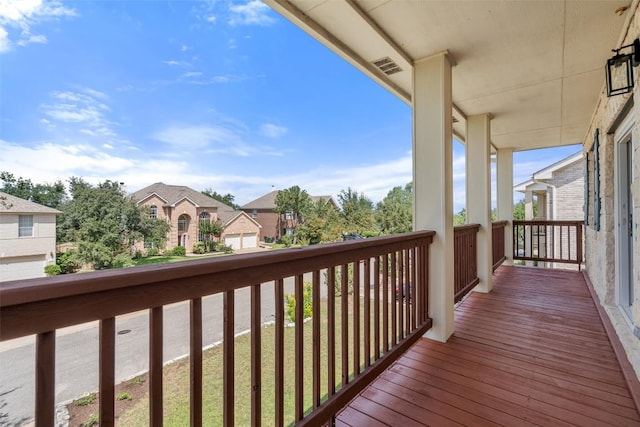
[(536, 66)]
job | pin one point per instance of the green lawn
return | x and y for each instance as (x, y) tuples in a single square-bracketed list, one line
[(176, 379), (161, 259)]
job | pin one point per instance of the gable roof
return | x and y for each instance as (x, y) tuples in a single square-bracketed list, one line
[(547, 172), (172, 194), (268, 201), (13, 204), (227, 217)]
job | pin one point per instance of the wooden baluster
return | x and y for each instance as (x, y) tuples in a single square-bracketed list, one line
[(256, 357), (228, 358), (195, 361), (45, 379), (155, 366), (106, 362)]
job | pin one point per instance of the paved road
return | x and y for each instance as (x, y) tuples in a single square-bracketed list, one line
[(77, 350)]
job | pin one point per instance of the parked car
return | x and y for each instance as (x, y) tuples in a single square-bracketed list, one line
[(402, 291), (351, 236)]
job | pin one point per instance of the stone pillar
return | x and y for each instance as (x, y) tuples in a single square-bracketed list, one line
[(504, 172), (478, 164), (433, 183)]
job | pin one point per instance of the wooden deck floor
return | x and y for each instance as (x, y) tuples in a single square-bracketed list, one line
[(532, 352)]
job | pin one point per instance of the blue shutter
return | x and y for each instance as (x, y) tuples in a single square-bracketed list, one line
[(596, 181), (586, 189)]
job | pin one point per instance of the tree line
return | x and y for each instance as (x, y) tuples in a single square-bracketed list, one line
[(103, 223)]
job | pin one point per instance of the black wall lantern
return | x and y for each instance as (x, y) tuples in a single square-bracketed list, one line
[(620, 69)]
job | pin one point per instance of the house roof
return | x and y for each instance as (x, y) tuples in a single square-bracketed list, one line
[(173, 194), (227, 217), (547, 173), (268, 201), (13, 204)]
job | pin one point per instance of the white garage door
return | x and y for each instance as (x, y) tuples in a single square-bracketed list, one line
[(233, 240), (249, 241), (21, 268)]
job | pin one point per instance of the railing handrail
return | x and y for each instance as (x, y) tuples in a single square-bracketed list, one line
[(311, 257), (497, 224), (546, 247), (66, 300), (547, 222), (466, 227), (394, 277)]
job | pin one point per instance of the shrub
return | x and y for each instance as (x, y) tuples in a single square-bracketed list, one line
[(284, 240), (87, 400), (92, 421), (153, 251), (122, 260), (52, 269), (68, 262), (199, 248), (307, 308), (124, 396), (179, 251)]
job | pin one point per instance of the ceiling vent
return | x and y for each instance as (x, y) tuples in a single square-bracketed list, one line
[(454, 120), (387, 66)]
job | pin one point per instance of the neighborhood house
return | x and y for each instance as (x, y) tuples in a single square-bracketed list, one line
[(185, 209), (27, 238)]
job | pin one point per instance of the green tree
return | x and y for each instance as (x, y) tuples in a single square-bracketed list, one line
[(52, 195), (322, 224), (293, 204), (104, 222), (518, 210), (394, 214), (357, 212), (460, 218), (209, 230), (227, 199)]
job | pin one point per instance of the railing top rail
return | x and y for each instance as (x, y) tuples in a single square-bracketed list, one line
[(547, 222), (465, 227), (267, 265), (497, 224)]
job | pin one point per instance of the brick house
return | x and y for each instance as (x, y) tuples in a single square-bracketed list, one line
[(558, 189), (27, 238), (185, 208), (273, 224)]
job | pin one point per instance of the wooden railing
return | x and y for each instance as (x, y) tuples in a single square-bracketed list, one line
[(497, 241), (385, 314), (465, 270), (548, 241)]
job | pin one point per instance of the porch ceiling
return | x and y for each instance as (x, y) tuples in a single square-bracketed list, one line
[(536, 66)]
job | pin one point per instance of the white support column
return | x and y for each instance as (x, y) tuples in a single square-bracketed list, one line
[(433, 183), (504, 173), (478, 164)]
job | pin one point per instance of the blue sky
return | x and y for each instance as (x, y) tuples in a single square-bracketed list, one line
[(211, 94)]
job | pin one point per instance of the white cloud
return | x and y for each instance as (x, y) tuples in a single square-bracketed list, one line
[(175, 63), (253, 12), (224, 138), (211, 18), (18, 17), (5, 43), (184, 48), (191, 74), (273, 131), (83, 110)]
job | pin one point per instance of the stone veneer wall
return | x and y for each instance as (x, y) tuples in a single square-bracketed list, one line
[(569, 183), (600, 245)]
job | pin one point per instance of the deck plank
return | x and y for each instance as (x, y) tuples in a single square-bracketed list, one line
[(531, 352)]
